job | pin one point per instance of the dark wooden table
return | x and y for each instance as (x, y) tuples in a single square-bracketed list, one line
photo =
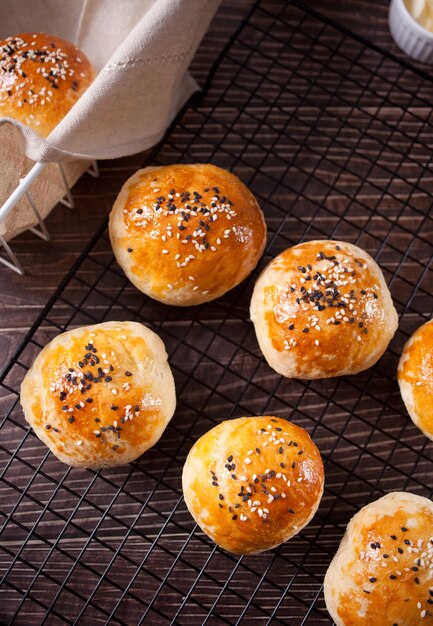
[(22, 297)]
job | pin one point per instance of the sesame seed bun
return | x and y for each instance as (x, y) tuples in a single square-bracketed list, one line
[(100, 395), (415, 377), (322, 309), (252, 483), (186, 234), (382, 572), (41, 78)]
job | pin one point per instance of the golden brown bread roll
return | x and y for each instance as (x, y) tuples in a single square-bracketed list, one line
[(415, 377), (41, 78), (322, 309), (252, 483), (382, 574), (186, 234), (100, 395)]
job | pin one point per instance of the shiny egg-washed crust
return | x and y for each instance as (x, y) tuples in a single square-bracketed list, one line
[(322, 309), (252, 483), (415, 377), (382, 573), (182, 249), (41, 78), (100, 395)]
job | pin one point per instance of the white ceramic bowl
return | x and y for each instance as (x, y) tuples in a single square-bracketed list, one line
[(413, 39)]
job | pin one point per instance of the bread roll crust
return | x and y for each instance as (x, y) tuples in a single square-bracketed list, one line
[(252, 483), (382, 572), (415, 378), (322, 309), (100, 395), (41, 78), (186, 234)]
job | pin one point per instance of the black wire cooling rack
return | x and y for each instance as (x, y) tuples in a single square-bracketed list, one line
[(334, 137)]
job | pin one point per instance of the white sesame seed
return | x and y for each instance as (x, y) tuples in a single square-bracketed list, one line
[(79, 442)]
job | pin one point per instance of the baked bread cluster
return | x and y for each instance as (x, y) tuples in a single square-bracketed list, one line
[(252, 483), (41, 78), (102, 395)]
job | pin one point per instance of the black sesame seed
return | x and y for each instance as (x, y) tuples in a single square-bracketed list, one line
[(230, 458), (234, 517), (407, 542), (393, 577), (220, 496), (305, 330), (373, 580), (128, 374), (71, 419), (129, 249), (115, 447), (399, 550), (47, 426), (403, 529), (416, 579)]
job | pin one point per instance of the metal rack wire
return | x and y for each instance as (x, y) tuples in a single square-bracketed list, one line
[(24, 189), (333, 135)]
